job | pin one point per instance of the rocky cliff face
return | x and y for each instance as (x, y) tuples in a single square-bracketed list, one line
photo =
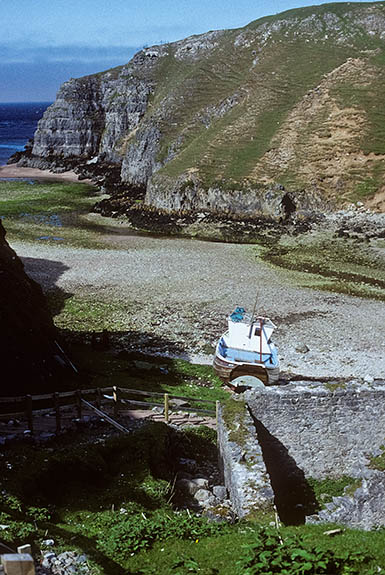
[(228, 120), (30, 358)]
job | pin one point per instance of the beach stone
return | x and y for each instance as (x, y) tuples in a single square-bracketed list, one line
[(159, 410), (191, 486), (302, 348), (49, 543), (201, 482), (220, 492), (67, 563), (205, 498)]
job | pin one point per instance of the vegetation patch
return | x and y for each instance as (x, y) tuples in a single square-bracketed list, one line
[(234, 417), (334, 386), (148, 373), (326, 489), (333, 264), (51, 213), (296, 555), (110, 498), (378, 462), (87, 313)]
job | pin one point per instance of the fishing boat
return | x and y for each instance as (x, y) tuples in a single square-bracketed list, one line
[(246, 349)]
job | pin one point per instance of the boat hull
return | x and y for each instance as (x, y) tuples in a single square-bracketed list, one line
[(229, 370)]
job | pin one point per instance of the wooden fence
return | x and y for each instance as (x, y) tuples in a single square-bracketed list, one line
[(28, 406)]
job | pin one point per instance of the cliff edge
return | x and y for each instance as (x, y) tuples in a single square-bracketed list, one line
[(232, 121)]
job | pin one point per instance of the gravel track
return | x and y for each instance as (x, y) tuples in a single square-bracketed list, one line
[(183, 289)]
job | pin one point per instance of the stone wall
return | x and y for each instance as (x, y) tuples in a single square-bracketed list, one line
[(242, 464), (286, 435), (326, 432)]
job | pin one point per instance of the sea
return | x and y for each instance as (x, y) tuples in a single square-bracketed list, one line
[(18, 123)]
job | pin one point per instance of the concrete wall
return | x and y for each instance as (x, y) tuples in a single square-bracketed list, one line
[(324, 432)]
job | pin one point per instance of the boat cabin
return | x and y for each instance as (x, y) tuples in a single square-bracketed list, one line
[(248, 335)]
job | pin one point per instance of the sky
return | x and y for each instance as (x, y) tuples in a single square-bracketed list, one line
[(43, 43)]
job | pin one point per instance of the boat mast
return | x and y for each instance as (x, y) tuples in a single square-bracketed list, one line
[(252, 316)]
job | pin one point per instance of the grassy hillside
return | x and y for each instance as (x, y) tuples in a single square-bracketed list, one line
[(295, 99)]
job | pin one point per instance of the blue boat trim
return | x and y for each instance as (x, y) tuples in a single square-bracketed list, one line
[(244, 356)]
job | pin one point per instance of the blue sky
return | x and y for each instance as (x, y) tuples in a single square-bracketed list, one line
[(45, 42)]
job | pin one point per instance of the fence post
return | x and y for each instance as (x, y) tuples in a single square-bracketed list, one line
[(98, 398), (79, 403), (217, 408), (56, 402), (166, 406), (115, 395), (28, 412)]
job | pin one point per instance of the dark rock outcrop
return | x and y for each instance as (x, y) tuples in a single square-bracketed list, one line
[(31, 360)]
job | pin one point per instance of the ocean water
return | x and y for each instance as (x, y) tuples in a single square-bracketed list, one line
[(17, 125)]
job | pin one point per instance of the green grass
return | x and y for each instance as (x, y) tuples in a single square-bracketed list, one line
[(111, 500), (148, 373), (87, 312), (371, 99), (230, 147), (18, 198), (41, 212), (222, 554)]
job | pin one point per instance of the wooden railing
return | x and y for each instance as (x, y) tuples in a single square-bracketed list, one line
[(28, 406)]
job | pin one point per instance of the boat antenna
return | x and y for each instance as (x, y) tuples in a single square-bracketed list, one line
[(253, 314)]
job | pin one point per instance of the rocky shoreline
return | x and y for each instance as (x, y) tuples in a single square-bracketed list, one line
[(355, 221)]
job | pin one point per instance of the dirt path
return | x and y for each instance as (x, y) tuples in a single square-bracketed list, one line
[(178, 292)]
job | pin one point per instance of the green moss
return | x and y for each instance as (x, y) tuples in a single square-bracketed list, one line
[(334, 386), (365, 189), (378, 462), (234, 413), (326, 489), (85, 313), (262, 515)]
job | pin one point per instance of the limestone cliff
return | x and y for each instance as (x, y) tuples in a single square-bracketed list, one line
[(30, 359), (230, 121)]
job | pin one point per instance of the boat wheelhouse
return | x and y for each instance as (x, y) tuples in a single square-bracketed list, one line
[(246, 349)]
